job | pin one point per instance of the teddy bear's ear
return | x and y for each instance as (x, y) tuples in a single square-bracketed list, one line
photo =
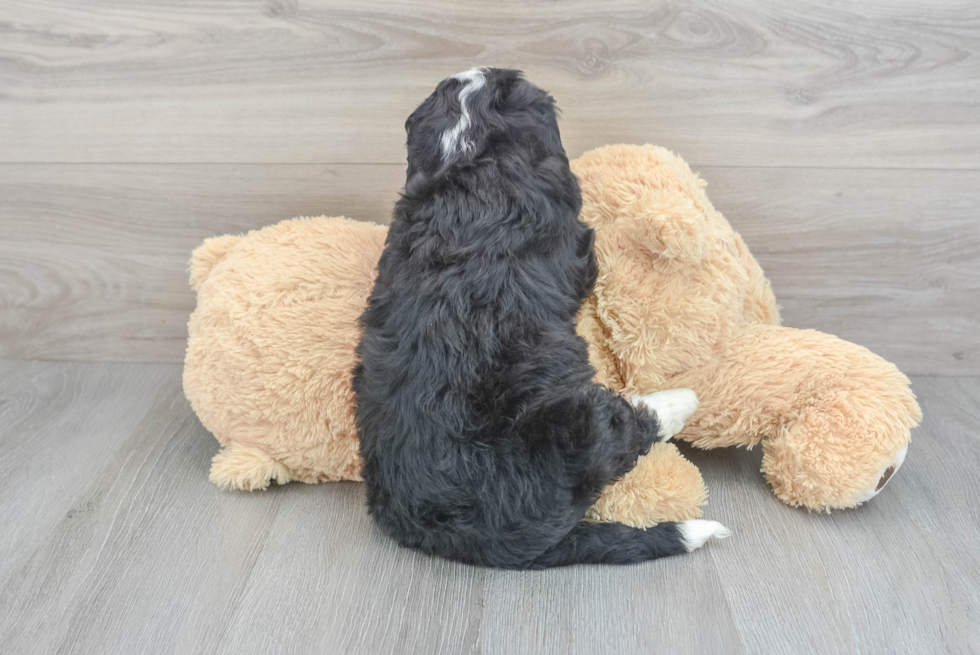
[(208, 255), (648, 197)]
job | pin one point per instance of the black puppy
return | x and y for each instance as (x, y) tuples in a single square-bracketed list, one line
[(483, 436)]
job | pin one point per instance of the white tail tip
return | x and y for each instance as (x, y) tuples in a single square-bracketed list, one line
[(696, 533)]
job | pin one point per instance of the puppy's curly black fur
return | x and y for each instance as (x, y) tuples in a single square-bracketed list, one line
[(483, 436)]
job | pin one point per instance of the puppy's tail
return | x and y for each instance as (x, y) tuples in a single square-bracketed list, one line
[(615, 543)]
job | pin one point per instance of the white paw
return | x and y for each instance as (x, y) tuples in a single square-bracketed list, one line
[(695, 533), (673, 407), (884, 479)]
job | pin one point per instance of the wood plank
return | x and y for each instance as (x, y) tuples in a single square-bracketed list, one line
[(153, 558), (899, 574), (94, 257), (889, 260), (324, 81), (647, 608), (341, 586), (159, 560), (58, 424)]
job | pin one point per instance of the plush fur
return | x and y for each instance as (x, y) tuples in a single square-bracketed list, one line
[(679, 301), (483, 436), (832, 417)]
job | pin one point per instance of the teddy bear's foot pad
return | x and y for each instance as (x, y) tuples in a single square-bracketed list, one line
[(672, 407), (885, 476), (697, 532)]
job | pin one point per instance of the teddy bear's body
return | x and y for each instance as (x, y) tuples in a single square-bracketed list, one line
[(271, 352), (680, 302)]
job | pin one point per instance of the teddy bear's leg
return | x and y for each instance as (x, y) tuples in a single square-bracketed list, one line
[(834, 418), (829, 482), (663, 486), (246, 468)]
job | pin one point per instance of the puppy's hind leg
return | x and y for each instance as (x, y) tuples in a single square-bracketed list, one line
[(672, 407)]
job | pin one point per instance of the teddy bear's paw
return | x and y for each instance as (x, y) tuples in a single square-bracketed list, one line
[(672, 407), (245, 468), (884, 476), (697, 532)]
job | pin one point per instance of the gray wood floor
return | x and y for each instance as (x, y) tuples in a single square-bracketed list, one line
[(130, 549), (841, 139)]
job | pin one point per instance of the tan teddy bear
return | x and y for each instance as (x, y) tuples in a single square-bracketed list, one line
[(679, 302)]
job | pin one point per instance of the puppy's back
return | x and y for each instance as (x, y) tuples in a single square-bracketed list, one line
[(483, 437)]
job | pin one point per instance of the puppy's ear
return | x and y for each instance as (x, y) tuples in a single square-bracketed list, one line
[(442, 127), (501, 83), (439, 110), (424, 128)]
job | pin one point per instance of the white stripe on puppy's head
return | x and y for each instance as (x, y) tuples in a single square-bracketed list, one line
[(453, 138)]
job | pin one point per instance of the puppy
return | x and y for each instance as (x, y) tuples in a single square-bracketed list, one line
[(483, 437)]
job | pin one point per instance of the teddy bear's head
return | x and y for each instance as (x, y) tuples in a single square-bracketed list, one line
[(675, 279)]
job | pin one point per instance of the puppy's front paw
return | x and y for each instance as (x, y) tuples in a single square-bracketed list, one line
[(673, 407)]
